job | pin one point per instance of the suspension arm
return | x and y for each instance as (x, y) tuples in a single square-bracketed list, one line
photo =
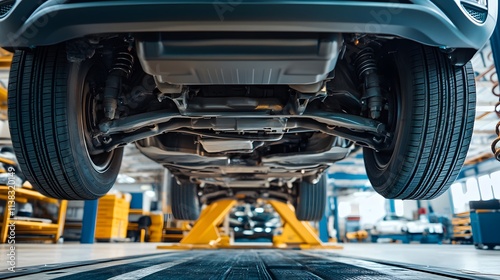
[(131, 123), (367, 133)]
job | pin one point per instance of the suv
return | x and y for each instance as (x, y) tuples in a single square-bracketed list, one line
[(243, 98)]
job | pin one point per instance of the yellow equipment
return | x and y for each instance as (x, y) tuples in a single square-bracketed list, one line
[(112, 217), (3, 98), (5, 58), (175, 234), (462, 229), (156, 228), (358, 236), (205, 233), (35, 229)]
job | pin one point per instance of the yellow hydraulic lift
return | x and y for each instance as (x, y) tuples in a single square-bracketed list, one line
[(205, 233)]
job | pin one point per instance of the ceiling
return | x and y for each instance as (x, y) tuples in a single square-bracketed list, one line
[(486, 118), (135, 165)]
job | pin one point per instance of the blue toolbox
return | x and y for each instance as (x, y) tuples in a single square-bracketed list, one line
[(485, 222)]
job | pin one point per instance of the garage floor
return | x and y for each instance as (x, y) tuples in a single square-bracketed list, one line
[(360, 261)]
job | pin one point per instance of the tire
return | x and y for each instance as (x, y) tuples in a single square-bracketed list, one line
[(185, 202), (49, 111), (431, 109), (311, 200)]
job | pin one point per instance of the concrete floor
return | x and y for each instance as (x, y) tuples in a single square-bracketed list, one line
[(463, 258)]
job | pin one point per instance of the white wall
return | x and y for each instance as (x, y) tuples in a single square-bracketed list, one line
[(410, 207), (370, 206), (442, 205)]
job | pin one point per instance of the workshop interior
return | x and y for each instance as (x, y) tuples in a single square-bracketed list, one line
[(249, 139)]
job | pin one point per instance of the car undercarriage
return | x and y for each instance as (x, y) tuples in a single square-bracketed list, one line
[(245, 103), (251, 135)]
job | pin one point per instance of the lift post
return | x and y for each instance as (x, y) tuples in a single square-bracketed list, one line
[(296, 233), (205, 233)]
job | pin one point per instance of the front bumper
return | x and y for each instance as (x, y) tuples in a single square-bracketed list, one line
[(31, 23)]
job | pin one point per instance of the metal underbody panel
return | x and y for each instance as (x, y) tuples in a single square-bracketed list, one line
[(436, 23), (240, 58), (226, 171)]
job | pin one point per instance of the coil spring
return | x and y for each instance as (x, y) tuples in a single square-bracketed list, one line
[(365, 61), (495, 147), (124, 62)]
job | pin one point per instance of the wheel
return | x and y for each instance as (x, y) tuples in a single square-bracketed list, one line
[(52, 113), (185, 202), (430, 115), (311, 200)]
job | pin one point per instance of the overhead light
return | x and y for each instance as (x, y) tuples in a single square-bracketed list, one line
[(150, 194), (125, 179), (146, 187)]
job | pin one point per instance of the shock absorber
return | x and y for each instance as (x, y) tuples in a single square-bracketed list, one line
[(122, 68), (366, 67)]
